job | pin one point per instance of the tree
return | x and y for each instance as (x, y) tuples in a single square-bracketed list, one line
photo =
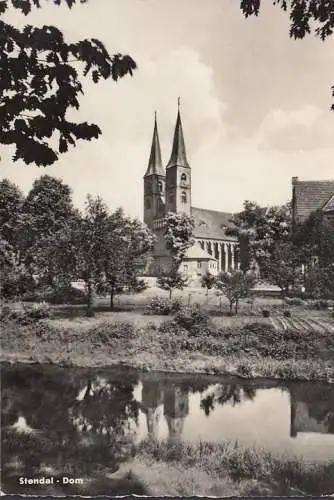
[(315, 238), (306, 17), (11, 202), (178, 235), (235, 285), (127, 241), (46, 212), (89, 235), (258, 230), (283, 268), (171, 281), (319, 281), (41, 78), (208, 282)]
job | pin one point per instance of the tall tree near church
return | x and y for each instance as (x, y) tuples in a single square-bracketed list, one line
[(126, 242), (258, 230), (90, 236), (40, 82), (307, 17), (178, 233)]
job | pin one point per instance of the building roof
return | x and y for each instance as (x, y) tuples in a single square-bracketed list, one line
[(309, 196), (178, 156), (155, 164), (211, 224), (195, 252), (329, 206)]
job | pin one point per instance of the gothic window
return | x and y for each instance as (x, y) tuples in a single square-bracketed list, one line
[(160, 187), (147, 203), (183, 177), (184, 197)]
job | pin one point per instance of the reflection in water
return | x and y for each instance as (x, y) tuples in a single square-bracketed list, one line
[(83, 423), (312, 410)]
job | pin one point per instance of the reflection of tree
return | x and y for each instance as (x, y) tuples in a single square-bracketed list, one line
[(226, 393), (310, 405), (72, 435)]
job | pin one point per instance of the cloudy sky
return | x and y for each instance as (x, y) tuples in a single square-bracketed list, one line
[(255, 104)]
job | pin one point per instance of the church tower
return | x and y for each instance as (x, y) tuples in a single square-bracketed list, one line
[(178, 174), (154, 182)]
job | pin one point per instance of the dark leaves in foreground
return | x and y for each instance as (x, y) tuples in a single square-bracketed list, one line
[(40, 81)]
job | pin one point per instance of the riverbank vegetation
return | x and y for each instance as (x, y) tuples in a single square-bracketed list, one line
[(202, 338), (226, 469)]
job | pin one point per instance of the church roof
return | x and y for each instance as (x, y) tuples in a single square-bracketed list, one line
[(195, 252), (155, 164), (178, 156), (211, 224), (309, 196)]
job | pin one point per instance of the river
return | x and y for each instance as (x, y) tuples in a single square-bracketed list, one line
[(77, 421)]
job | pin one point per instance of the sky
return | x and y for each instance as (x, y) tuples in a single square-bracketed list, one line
[(254, 103)]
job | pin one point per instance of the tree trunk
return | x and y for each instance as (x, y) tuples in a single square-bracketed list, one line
[(231, 305), (112, 294), (236, 306), (90, 310), (170, 293)]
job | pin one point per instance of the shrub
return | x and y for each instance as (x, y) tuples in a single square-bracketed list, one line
[(106, 332), (61, 295), (27, 314), (320, 304), (159, 305), (287, 314), (265, 313), (294, 301), (189, 317)]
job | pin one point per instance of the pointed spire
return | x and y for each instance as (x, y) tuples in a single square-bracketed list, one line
[(178, 156), (154, 164)]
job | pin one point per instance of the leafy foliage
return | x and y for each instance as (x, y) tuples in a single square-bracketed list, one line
[(259, 229), (125, 243), (208, 281), (178, 235), (172, 281), (283, 267), (235, 286), (41, 78)]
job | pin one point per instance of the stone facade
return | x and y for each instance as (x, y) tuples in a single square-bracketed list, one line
[(169, 190)]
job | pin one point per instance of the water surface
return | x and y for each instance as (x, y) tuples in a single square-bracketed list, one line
[(82, 422)]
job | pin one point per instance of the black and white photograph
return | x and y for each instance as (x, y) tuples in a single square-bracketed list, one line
[(167, 248)]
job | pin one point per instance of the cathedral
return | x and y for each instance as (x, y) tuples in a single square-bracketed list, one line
[(169, 190)]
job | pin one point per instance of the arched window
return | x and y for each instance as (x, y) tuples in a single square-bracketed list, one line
[(183, 177), (160, 187), (184, 197)]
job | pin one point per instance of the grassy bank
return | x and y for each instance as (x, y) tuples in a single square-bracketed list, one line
[(190, 341), (221, 469)]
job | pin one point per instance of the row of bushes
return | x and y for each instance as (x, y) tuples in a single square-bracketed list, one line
[(26, 314), (319, 304)]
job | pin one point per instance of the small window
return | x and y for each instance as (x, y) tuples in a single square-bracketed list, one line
[(160, 187), (184, 197), (185, 267), (199, 264), (183, 177)]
